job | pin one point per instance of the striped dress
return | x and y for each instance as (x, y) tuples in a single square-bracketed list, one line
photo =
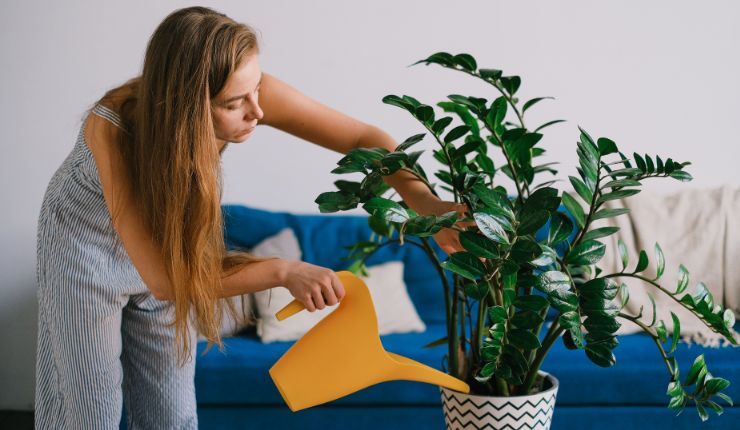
[(102, 338)]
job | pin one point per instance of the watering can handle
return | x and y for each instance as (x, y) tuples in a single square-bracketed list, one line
[(289, 310)]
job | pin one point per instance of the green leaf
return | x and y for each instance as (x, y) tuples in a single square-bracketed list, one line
[(621, 183), (526, 320), (614, 195), (702, 412), (456, 133), (624, 293), (728, 317), (523, 338), (410, 141), (547, 124), (586, 253), (532, 221), (560, 228), (465, 264), (425, 114), (490, 227), (438, 342), (548, 257), (715, 385), (642, 262), (661, 261), (463, 113), (726, 398), (380, 226), (525, 250), (388, 209), (530, 103), (466, 61), (477, 291), (660, 330), (532, 303), (606, 146), (623, 254), (490, 73), (336, 201), (683, 279), (681, 176), (600, 354), (694, 371), (575, 209), (440, 124), (640, 162), (399, 102), (556, 285), (609, 213), (582, 189), (511, 83), (676, 333), (497, 314), (478, 245), (599, 233), (442, 58), (494, 199), (715, 407)]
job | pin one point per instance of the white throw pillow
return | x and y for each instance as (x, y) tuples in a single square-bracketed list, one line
[(396, 312)]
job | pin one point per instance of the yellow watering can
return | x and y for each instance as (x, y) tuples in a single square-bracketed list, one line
[(343, 354)]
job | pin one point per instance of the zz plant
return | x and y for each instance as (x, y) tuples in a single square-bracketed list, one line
[(508, 278)]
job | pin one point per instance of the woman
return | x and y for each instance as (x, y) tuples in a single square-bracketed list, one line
[(131, 257)]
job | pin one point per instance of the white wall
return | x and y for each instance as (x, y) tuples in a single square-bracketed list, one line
[(657, 77)]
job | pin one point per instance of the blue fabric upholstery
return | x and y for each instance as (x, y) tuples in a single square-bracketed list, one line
[(234, 389)]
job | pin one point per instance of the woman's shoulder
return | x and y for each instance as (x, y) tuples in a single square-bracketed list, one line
[(116, 98)]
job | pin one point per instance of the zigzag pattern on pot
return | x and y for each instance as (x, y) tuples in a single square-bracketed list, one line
[(511, 415), (466, 413), (550, 400), (537, 425)]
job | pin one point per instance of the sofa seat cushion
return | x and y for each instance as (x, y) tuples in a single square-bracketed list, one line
[(239, 376)]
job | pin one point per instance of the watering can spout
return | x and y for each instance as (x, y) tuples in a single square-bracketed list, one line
[(343, 354)]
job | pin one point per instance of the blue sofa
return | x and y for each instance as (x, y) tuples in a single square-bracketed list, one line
[(234, 389)]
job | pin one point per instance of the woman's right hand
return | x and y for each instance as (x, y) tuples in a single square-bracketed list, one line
[(314, 286)]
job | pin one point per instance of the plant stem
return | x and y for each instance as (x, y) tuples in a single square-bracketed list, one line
[(655, 338), (454, 344), (591, 209), (654, 284), (553, 333), (421, 178), (502, 388)]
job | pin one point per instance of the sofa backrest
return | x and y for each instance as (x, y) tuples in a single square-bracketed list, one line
[(324, 238)]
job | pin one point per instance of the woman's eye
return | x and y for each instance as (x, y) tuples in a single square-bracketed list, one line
[(232, 107)]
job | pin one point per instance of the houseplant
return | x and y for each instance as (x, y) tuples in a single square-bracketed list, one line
[(506, 281)]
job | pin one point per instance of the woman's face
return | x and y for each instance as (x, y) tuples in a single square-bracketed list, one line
[(236, 109)]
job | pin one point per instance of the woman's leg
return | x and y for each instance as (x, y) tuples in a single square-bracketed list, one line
[(78, 366), (158, 393)]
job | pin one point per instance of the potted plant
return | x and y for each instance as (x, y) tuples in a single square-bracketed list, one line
[(506, 281)]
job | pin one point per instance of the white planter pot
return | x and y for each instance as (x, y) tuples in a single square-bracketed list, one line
[(466, 411)]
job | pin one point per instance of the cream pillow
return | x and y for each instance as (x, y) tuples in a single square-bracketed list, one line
[(283, 245), (396, 312)]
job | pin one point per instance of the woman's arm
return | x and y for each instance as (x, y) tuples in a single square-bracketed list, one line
[(291, 111), (314, 286)]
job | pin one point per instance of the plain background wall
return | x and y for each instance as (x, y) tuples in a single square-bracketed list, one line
[(657, 77)]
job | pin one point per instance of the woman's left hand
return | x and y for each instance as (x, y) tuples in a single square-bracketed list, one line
[(447, 238)]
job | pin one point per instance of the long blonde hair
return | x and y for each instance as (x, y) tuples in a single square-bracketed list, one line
[(173, 161)]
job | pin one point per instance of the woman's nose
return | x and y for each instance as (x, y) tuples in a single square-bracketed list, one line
[(254, 112)]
